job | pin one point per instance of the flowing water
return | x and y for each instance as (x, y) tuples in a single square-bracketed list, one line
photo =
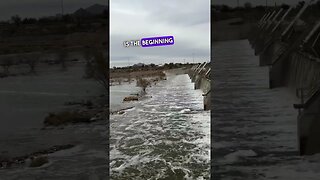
[(166, 136), (254, 127), (26, 100)]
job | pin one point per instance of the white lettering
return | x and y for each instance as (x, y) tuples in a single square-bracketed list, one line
[(126, 44)]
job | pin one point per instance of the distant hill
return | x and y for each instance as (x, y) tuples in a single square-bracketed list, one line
[(82, 13), (92, 10), (96, 9)]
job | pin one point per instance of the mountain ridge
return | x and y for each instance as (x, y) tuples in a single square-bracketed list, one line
[(95, 9)]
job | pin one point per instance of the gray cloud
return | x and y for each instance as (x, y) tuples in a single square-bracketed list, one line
[(176, 13), (187, 21)]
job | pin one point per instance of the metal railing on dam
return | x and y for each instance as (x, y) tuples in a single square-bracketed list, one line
[(289, 44), (200, 76)]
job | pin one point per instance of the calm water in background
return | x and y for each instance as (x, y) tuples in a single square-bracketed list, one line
[(254, 127), (166, 136), (125, 62), (119, 92), (32, 97), (24, 103)]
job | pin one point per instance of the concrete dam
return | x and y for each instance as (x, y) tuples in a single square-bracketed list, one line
[(200, 76), (287, 41)]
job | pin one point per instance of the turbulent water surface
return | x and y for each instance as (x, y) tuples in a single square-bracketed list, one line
[(166, 136), (254, 127)]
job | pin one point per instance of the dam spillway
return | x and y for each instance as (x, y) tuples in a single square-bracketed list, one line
[(254, 127), (291, 52)]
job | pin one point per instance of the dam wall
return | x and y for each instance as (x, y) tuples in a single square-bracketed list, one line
[(289, 45), (200, 76)]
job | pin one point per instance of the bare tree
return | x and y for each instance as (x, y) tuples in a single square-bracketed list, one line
[(88, 56), (143, 83), (101, 69), (6, 64), (16, 20), (162, 75), (62, 59), (32, 61), (248, 5), (129, 78), (98, 63)]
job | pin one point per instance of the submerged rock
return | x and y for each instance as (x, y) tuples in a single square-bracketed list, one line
[(121, 112), (130, 98)]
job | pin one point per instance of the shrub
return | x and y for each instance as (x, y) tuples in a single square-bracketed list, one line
[(143, 83), (39, 161), (162, 75), (65, 118)]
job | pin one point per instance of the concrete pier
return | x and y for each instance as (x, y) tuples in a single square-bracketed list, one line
[(200, 76), (254, 127), (292, 54)]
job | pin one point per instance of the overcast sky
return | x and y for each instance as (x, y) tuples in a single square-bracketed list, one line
[(38, 8), (254, 2), (187, 21)]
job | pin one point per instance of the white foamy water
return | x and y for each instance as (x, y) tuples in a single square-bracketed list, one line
[(87, 160), (166, 136)]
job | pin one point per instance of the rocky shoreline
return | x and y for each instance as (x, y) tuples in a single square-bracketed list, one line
[(31, 159), (121, 111), (85, 112)]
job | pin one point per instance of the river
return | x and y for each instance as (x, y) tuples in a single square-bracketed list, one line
[(254, 127), (165, 136), (26, 100)]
